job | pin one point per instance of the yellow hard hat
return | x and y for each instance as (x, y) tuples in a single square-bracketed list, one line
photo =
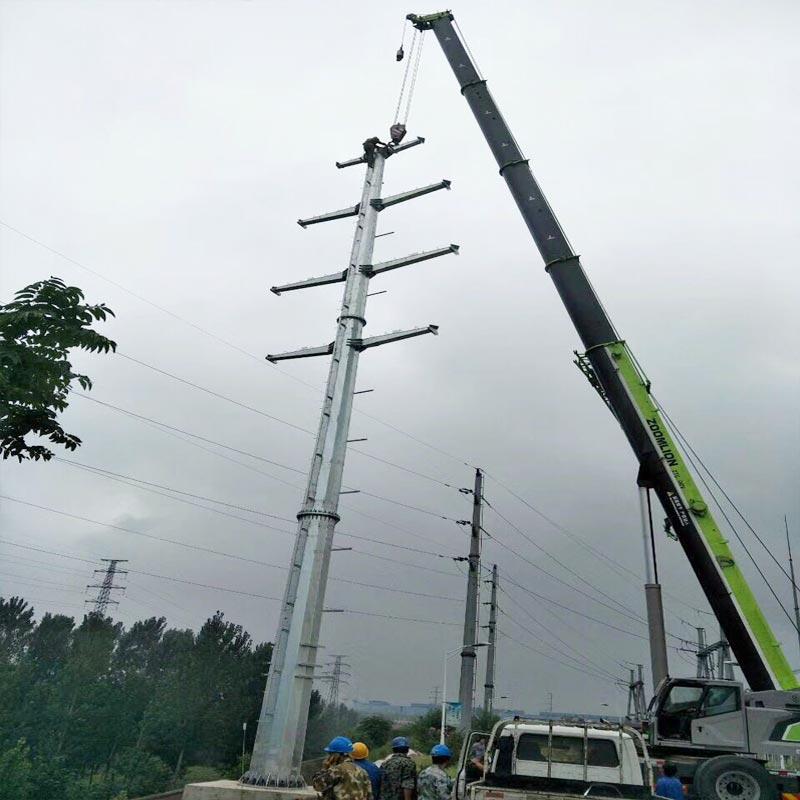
[(360, 750)]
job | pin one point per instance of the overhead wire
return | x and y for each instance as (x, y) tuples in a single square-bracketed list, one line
[(213, 551), (733, 505), (222, 340), (558, 561), (615, 566)]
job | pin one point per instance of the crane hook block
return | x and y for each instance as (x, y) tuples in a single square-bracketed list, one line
[(400, 54), (397, 132)]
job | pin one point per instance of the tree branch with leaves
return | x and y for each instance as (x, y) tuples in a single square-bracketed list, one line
[(37, 330)]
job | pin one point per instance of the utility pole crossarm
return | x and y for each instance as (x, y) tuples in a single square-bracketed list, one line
[(324, 280), (331, 215), (391, 149), (384, 202), (305, 352), (414, 258), (395, 336)]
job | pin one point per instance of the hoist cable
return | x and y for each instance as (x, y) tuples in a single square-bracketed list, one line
[(414, 77), (405, 77)]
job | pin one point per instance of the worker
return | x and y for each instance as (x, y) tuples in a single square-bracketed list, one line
[(398, 773), (340, 778), (433, 782), (361, 759), (668, 785)]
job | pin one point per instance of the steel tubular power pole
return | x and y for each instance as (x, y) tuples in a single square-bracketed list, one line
[(614, 372), (278, 748), (488, 687), (466, 686)]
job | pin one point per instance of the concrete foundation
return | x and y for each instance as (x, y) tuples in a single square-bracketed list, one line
[(233, 790)]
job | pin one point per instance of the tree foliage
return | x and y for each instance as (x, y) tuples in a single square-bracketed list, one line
[(37, 330), (91, 710)]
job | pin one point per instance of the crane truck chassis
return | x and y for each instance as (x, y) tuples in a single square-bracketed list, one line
[(716, 732)]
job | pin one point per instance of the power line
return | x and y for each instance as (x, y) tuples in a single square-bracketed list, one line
[(546, 655), (700, 461), (578, 655), (221, 552), (632, 615), (220, 339), (558, 561), (616, 567)]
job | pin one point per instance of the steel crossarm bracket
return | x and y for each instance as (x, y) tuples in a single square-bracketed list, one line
[(306, 352), (391, 149), (395, 336), (331, 215), (351, 162), (398, 148), (323, 280), (384, 202), (414, 258)]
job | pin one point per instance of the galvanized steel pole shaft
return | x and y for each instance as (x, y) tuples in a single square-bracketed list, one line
[(488, 687), (278, 748), (466, 685)]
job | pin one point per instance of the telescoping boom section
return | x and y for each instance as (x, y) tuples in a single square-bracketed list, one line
[(625, 388)]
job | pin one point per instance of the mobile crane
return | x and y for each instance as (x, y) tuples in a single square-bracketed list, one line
[(713, 729)]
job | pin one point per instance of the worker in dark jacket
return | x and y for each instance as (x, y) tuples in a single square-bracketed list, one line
[(361, 759)]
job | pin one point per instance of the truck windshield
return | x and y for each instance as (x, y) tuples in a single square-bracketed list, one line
[(566, 750)]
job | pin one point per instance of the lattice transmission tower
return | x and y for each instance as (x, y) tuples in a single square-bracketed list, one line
[(104, 589)]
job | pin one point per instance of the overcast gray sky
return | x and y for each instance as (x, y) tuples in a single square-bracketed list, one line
[(170, 147)]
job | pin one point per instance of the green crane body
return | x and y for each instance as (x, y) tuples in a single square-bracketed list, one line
[(613, 371)]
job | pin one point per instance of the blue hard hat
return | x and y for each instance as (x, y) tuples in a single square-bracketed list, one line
[(341, 744), (400, 741), (441, 750)]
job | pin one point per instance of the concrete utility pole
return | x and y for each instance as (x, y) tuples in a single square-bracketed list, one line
[(104, 589), (278, 747), (488, 687), (466, 686), (794, 582), (652, 588), (702, 654)]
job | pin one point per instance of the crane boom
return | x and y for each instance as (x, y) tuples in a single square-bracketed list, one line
[(624, 387)]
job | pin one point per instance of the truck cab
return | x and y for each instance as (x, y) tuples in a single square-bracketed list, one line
[(545, 758)]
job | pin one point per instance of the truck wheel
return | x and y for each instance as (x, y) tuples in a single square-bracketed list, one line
[(733, 778)]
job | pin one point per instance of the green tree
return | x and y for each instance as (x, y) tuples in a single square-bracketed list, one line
[(15, 773), (37, 330), (16, 624), (374, 731)]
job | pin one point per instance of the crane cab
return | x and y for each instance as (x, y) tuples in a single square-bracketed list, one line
[(688, 714)]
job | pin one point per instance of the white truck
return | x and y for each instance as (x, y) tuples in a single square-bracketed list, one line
[(543, 759)]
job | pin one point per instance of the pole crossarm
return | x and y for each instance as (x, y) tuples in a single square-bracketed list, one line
[(305, 352), (390, 149), (395, 336), (414, 258), (351, 211), (384, 202), (323, 280)]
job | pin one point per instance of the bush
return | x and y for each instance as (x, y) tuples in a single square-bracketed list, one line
[(373, 731)]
